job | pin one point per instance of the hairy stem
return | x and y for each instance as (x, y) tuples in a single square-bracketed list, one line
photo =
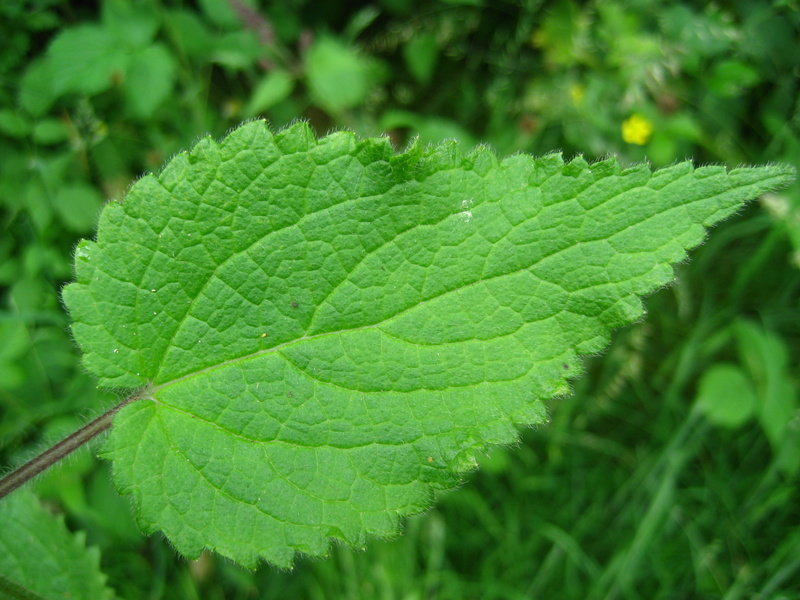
[(52, 455)]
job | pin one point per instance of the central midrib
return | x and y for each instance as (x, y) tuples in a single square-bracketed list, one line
[(263, 238), (388, 319)]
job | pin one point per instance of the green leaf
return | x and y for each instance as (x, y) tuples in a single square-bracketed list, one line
[(36, 93), (237, 49), (50, 131), (421, 53), (273, 88), (328, 332), (39, 557), (726, 396), (16, 343), (14, 124), (339, 77), (729, 78), (133, 23), (190, 33), (77, 205), (150, 80), (223, 14), (85, 59), (767, 359)]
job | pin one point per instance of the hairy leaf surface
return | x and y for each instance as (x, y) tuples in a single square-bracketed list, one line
[(329, 331)]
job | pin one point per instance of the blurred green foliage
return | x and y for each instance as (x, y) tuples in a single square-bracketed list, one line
[(635, 490), (73, 571)]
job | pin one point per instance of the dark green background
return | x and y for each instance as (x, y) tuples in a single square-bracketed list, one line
[(658, 478)]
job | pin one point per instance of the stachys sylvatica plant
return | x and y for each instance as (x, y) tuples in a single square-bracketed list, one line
[(317, 334)]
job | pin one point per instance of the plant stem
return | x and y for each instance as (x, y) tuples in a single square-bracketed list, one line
[(54, 454)]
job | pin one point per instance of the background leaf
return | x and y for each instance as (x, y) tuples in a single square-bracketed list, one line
[(726, 396), (339, 78), (39, 554), (275, 86), (85, 60), (150, 79)]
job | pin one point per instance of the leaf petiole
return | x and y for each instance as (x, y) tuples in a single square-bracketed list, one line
[(52, 455)]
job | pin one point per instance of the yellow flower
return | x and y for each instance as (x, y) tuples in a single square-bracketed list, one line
[(637, 130), (577, 92)]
